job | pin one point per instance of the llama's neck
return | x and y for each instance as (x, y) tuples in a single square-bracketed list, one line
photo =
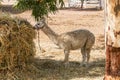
[(51, 34)]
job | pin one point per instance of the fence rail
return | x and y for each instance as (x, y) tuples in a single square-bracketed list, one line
[(87, 3)]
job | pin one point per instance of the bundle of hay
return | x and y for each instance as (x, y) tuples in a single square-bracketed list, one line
[(16, 43)]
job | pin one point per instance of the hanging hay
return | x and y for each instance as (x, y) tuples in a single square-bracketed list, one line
[(16, 43)]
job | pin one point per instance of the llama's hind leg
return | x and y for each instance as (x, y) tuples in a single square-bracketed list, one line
[(66, 61), (83, 56), (88, 56)]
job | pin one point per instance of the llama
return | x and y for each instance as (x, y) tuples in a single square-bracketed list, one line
[(73, 40)]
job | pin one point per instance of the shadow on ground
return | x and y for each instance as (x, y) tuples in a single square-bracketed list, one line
[(55, 70)]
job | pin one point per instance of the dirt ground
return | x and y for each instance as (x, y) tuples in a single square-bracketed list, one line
[(50, 63)]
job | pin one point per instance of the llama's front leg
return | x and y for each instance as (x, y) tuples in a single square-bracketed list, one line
[(66, 61)]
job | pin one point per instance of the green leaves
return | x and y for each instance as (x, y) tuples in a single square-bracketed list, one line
[(39, 8)]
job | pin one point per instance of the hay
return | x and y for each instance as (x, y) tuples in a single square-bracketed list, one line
[(16, 43)]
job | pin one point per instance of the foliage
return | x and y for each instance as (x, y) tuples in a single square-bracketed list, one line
[(40, 8)]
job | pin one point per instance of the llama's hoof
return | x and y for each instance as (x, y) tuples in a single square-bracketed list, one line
[(66, 64), (87, 65), (83, 65)]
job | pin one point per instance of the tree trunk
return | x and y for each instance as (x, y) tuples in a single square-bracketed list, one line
[(112, 33), (112, 63)]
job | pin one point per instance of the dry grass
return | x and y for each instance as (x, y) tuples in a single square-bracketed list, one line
[(17, 48)]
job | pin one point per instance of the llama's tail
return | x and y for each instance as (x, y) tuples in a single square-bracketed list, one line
[(90, 41)]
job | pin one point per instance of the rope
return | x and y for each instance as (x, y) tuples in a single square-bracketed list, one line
[(41, 49), (38, 33), (38, 39)]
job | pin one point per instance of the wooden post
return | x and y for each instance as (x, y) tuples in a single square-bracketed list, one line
[(101, 4), (82, 2), (112, 33), (69, 3), (85, 3)]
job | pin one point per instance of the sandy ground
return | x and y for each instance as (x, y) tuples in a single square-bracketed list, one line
[(50, 62)]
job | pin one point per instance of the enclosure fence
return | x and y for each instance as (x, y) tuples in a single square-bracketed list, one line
[(87, 3)]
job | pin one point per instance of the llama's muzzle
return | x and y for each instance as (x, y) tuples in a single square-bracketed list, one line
[(36, 27)]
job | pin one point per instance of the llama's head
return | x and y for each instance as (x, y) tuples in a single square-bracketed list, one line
[(40, 24)]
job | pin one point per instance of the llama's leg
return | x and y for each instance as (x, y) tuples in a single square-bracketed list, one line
[(66, 52), (83, 56), (88, 56)]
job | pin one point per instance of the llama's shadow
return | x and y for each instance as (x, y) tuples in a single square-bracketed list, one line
[(51, 69)]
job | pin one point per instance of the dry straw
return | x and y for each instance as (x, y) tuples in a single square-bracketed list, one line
[(16, 43)]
